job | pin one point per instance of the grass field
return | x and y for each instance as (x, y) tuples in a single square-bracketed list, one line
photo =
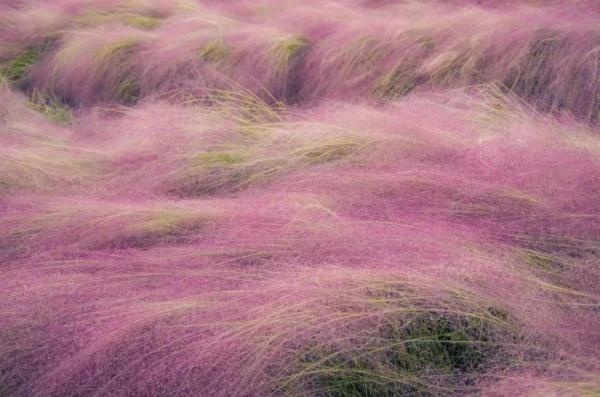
[(337, 198)]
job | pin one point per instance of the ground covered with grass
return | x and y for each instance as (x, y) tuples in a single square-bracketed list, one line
[(303, 198)]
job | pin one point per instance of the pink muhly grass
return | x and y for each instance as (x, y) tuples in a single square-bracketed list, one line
[(377, 198)]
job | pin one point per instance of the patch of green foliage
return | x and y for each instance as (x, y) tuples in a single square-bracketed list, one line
[(541, 261), (130, 18), (361, 53), (115, 59), (401, 80), (449, 68), (213, 171), (142, 21), (248, 110), (128, 90), (427, 43), (50, 107), (149, 228), (406, 346), (285, 51), (46, 166), (17, 70), (420, 355), (220, 158), (214, 52), (287, 55), (328, 150)]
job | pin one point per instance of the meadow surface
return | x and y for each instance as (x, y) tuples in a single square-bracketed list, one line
[(333, 198)]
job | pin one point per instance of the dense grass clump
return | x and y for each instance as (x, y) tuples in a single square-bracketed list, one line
[(272, 151), (218, 171), (50, 107), (305, 61), (401, 343), (17, 70), (94, 66)]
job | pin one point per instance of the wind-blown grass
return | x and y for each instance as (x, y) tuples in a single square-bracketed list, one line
[(302, 61), (352, 198)]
